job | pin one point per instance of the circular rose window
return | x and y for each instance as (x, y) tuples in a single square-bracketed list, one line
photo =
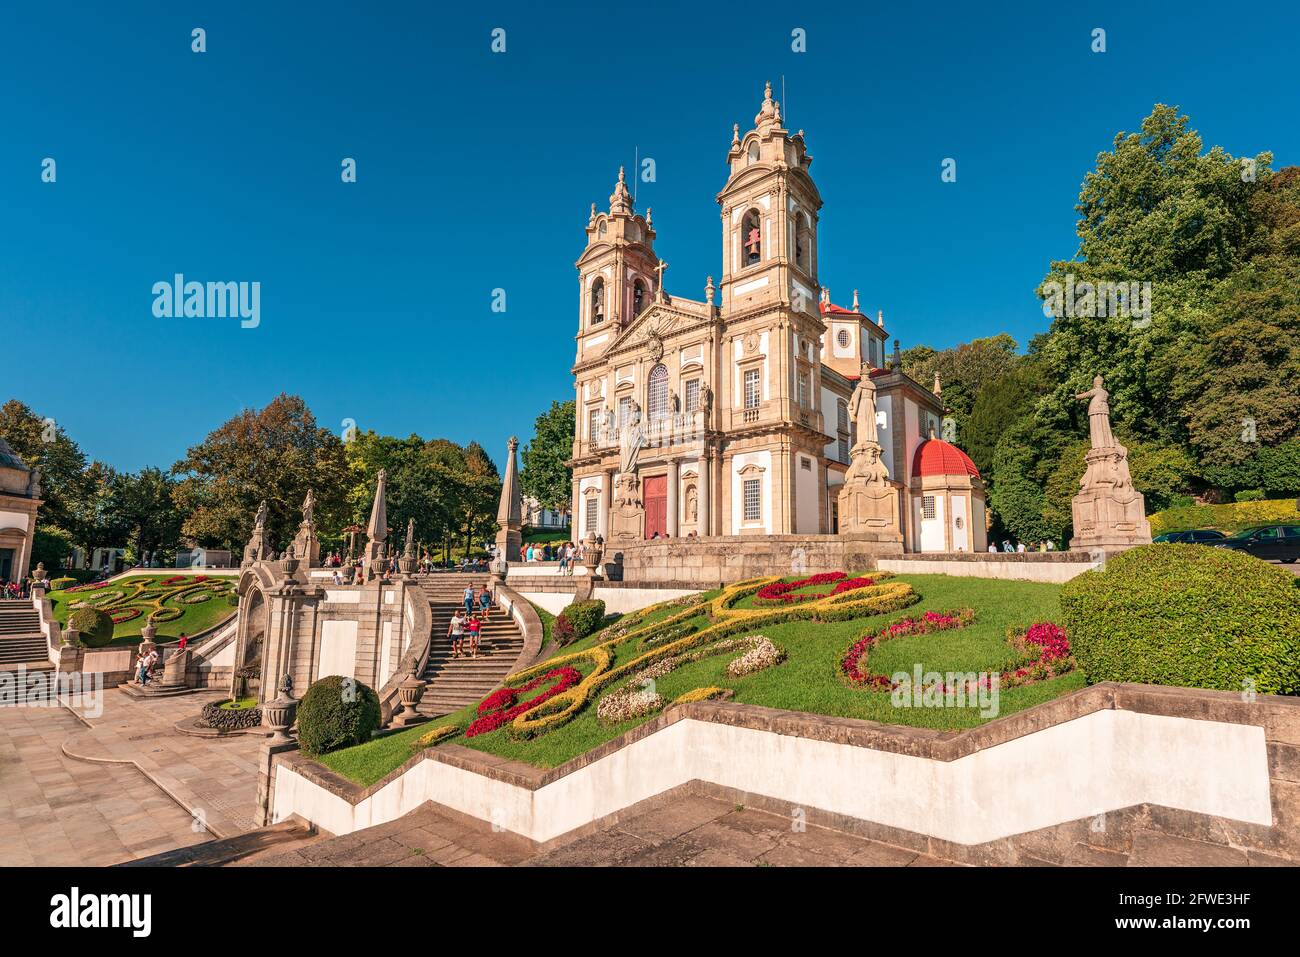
[(842, 337)]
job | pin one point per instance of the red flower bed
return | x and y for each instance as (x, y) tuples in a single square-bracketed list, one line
[(121, 615), (89, 587), (503, 700), (173, 580), (779, 593), (850, 664), (1049, 642)]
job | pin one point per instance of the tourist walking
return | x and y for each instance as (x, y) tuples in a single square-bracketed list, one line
[(484, 602), (473, 627), (456, 632), (468, 598)]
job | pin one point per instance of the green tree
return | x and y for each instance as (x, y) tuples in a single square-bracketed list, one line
[(43, 445), (545, 474), (274, 454), (141, 506)]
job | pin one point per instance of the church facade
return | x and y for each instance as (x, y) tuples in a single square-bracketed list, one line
[(729, 415)]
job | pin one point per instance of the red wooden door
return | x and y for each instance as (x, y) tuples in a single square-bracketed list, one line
[(656, 505)]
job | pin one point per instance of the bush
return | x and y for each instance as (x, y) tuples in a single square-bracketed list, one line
[(95, 626), (1187, 615), (336, 713), (1228, 518), (562, 630), (64, 582), (584, 616), (1250, 495)]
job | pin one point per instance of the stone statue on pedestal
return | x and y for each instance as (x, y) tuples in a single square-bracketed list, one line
[(868, 500), (625, 520), (305, 544), (259, 546), (1109, 513)]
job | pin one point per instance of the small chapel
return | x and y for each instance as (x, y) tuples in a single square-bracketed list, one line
[(743, 413)]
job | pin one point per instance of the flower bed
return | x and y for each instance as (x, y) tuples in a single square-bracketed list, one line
[(214, 715), (853, 664), (490, 720), (782, 593), (1047, 649), (628, 703), (761, 656)]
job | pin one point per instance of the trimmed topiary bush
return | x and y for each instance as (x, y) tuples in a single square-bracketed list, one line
[(562, 630), (336, 713), (585, 616), (95, 626), (59, 583), (1187, 615)]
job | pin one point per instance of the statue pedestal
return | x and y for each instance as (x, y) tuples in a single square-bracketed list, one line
[(1109, 514), (625, 524), (870, 507)]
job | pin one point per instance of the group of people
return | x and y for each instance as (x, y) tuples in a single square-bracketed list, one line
[(1046, 546), (147, 661), (13, 590), (467, 623)]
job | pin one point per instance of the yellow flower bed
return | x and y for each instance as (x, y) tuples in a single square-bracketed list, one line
[(596, 662), (435, 736), (703, 694)]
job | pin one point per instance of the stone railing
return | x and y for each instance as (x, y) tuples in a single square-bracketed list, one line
[(417, 623), (526, 620), (50, 628)]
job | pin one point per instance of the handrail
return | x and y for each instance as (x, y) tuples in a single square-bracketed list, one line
[(416, 655)]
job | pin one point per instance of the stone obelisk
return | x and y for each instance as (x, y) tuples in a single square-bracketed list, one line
[(868, 500), (510, 511), (377, 530), (1109, 513)]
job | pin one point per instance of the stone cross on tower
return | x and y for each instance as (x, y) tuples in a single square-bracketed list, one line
[(659, 269), (510, 511)]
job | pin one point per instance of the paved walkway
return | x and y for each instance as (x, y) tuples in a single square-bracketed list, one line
[(689, 831), (58, 809)]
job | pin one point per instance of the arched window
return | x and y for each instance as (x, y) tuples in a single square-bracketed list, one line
[(638, 298), (657, 397), (803, 243), (751, 236), (598, 301), (752, 156)]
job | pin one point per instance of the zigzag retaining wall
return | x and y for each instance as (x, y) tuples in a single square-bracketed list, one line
[(1197, 764)]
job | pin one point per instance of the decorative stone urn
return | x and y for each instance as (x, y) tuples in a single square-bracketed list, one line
[(280, 713), (147, 644), (409, 692), (40, 577), (593, 553)]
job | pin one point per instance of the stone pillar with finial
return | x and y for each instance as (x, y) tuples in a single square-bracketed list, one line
[(510, 511), (377, 530)]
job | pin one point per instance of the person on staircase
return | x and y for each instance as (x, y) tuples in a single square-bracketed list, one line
[(456, 632), (468, 598), (485, 602), (473, 627)]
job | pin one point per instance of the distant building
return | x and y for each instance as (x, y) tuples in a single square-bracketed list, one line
[(537, 517), (203, 558), (101, 559), (20, 497)]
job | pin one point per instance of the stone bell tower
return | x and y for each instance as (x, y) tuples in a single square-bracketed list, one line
[(617, 272), (770, 207)]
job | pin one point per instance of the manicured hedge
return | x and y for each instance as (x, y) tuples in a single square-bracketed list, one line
[(64, 582), (336, 713), (1229, 518), (95, 626), (584, 616), (1187, 615)]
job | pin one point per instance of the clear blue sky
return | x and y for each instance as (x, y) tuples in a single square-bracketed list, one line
[(476, 171)]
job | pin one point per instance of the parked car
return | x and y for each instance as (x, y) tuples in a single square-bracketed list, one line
[(1270, 542), (1199, 536)]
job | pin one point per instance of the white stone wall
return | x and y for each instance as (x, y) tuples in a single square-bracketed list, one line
[(1100, 762)]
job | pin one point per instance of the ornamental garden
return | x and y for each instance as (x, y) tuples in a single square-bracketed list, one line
[(172, 604), (924, 650)]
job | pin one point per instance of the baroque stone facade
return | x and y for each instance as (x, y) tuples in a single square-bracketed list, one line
[(20, 498), (730, 416)]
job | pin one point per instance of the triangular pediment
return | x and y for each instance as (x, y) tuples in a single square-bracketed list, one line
[(656, 320)]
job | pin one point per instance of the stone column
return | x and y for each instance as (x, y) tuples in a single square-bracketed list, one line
[(706, 493), (674, 481)]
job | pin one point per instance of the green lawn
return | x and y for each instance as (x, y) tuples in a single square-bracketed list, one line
[(148, 593), (806, 681)]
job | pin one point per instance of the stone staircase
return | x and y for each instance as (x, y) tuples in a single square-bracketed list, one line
[(454, 683), (21, 640)]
